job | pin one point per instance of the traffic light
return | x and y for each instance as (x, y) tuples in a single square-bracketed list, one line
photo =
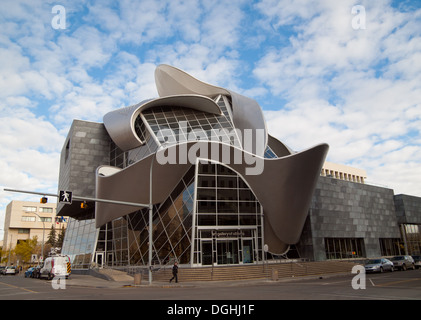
[(83, 205), (43, 200)]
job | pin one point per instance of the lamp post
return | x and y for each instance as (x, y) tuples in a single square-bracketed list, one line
[(43, 232), (150, 220)]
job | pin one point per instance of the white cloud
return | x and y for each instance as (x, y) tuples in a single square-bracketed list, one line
[(358, 90)]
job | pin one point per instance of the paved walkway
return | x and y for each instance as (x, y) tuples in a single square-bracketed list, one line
[(91, 281)]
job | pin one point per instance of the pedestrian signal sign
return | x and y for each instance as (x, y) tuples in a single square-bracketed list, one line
[(65, 197)]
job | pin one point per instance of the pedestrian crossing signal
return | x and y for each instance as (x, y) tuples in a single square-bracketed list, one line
[(65, 197), (83, 205)]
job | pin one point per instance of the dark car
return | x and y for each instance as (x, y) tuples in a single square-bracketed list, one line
[(36, 272), (403, 262), (417, 261)]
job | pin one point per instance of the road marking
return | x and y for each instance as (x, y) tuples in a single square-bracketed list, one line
[(12, 286), (396, 282)]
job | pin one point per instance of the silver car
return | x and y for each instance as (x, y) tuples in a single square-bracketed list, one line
[(403, 262), (379, 265)]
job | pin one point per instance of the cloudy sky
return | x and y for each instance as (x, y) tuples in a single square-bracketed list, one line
[(344, 72)]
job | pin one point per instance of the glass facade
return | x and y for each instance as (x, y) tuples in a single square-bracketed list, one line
[(222, 224), (80, 241), (344, 248), (171, 125), (228, 219), (171, 227), (391, 247), (411, 234)]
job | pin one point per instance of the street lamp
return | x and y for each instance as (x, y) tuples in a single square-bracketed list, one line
[(150, 219), (43, 231)]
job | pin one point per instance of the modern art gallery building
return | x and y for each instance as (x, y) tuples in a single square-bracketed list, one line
[(196, 172)]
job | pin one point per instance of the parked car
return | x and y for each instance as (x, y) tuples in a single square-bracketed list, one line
[(28, 273), (2, 269), (35, 272), (379, 265), (10, 270), (403, 262), (55, 266), (417, 261)]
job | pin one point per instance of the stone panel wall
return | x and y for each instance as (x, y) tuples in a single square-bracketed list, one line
[(342, 209), (86, 148)]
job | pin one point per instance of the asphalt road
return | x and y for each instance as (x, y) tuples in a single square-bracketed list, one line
[(398, 285)]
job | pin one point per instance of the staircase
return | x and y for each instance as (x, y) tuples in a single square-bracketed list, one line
[(250, 272)]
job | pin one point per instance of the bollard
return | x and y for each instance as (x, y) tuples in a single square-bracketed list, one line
[(274, 275), (137, 279)]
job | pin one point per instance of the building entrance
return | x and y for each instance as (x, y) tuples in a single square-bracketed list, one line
[(227, 251), (223, 251)]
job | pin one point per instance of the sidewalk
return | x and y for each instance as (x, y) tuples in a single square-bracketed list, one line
[(95, 282)]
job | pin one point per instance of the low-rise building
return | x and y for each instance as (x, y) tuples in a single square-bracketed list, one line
[(26, 219)]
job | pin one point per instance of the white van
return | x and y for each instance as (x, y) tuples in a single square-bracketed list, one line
[(56, 266)]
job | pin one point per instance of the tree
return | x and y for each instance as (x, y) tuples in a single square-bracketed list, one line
[(52, 237), (3, 255), (60, 237), (24, 249)]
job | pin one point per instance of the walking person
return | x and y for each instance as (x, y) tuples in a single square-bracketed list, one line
[(174, 273)]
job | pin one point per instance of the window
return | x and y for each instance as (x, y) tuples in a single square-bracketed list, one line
[(412, 235), (29, 209), (175, 124), (344, 248), (28, 219), (391, 247), (45, 219), (23, 231), (46, 210)]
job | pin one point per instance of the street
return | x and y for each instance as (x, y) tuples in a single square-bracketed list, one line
[(398, 285)]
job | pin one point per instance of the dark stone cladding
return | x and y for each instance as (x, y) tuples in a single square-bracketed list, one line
[(408, 209), (343, 209), (87, 147)]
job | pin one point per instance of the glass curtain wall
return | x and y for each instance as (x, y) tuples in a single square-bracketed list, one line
[(228, 219), (80, 241), (172, 222), (228, 227), (411, 233), (171, 125), (344, 248)]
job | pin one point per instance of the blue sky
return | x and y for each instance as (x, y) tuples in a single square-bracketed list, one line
[(320, 72)]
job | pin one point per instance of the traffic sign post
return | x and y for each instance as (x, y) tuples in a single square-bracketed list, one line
[(67, 197)]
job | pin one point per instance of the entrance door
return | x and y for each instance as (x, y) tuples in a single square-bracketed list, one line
[(207, 253), (248, 251), (99, 258), (227, 251)]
